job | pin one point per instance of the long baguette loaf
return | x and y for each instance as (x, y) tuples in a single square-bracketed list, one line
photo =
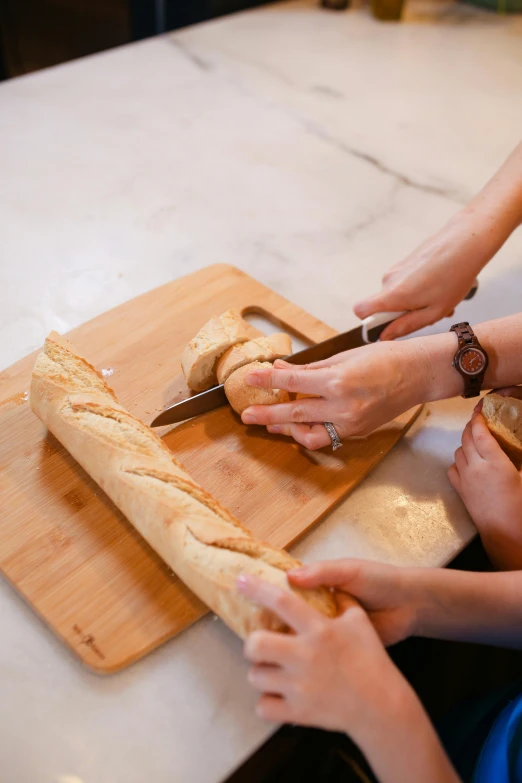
[(202, 543)]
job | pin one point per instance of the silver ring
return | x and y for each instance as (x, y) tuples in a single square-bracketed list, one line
[(334, 437)]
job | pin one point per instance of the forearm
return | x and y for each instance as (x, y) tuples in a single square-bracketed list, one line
[(430, 358), (493, 214), (402, 745), (484, 608), (499, 203)]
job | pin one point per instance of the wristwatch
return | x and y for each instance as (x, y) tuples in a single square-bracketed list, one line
[(471, 360)]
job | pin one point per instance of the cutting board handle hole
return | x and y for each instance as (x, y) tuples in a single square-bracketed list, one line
[(268, 324)]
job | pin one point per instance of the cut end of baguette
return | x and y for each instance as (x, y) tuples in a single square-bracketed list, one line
[(504, 419)]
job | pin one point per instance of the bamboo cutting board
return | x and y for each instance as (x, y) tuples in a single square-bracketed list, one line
[(69, 551)]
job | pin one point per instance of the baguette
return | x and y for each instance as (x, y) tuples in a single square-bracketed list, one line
[(199, 358), (504, 419), (241, 396), (262, 349), (200, 540)]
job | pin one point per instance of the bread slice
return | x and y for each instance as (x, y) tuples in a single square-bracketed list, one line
[(200, 540), (199, 358), (504, 418), (241, 396), (262, 349)]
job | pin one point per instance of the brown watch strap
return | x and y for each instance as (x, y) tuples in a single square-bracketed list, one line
[(466, 340)]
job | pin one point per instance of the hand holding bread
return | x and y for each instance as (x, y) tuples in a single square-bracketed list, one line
[(503, 416), (222, 353)]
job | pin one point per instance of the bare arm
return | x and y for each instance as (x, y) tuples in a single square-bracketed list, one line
[(431, 281), (485, 608), (335, 674), (471, 607), (502, 340)]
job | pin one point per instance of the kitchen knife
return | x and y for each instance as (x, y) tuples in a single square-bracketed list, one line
[(368, 331)]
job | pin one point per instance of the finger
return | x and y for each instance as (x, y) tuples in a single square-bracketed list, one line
[(411, 322), (383, 302), (293, 379), (269, 647), (297, 614), (269, 679), (484, 441), (360, 581), (460, 460), (274, 709), (454, 478), (468, 444), (311, 436), (328, 573), (280, 364), (478, 407), (308, 410), (509, 391)]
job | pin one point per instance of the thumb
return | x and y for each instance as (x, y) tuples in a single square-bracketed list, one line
[(383, 302)]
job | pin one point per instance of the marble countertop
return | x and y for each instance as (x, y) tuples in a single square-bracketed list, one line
[(311, 149)]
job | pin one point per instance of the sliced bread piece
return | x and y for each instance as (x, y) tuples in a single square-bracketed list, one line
[(262, 349), (199, 358), (504, 418)]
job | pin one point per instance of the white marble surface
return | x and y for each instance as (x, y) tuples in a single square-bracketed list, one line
[(312, 150)]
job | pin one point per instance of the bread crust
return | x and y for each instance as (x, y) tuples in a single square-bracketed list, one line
[(504, 419), (199, 539), (262, 349), (199, 358)]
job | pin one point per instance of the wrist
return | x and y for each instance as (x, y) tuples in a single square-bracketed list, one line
[(395, 715), (429, 371), (429, 609)]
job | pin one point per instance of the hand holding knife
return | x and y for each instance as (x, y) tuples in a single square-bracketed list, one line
[(367, 332)]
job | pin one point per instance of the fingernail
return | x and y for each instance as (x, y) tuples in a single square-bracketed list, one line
[(242, 581), (296, 571), (274, 429), (253, 379), (248, 418)]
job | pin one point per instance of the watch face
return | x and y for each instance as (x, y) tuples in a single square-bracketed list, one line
[(472, 361)]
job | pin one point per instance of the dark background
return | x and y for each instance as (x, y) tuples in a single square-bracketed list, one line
[(35, 34)]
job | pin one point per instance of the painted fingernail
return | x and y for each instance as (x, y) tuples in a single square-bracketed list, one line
[(274, 429), (248, 418)]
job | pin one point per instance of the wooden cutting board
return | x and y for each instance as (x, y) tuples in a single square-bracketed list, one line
[(65, 547)]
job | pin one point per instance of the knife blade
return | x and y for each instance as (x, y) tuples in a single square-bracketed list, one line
[(368, 331)]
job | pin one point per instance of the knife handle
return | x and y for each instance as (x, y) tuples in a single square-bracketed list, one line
[(374, 325)]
